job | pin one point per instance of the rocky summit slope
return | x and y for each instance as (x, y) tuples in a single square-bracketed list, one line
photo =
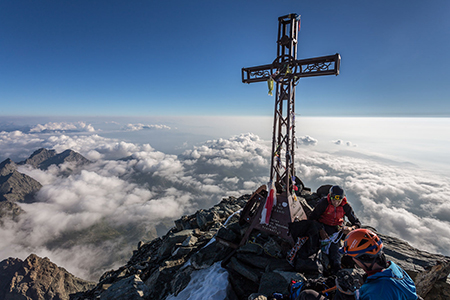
[(37, 278), (257, 269)]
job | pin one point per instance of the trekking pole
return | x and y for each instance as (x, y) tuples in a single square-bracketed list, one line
[(329, 290)]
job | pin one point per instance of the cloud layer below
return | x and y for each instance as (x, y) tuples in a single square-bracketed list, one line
[(133, 192)]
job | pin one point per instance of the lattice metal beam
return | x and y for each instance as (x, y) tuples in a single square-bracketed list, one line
[(317, 66)]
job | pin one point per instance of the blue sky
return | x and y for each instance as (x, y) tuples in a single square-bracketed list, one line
[(142, 58)]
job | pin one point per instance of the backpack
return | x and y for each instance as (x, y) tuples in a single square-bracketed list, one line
[(295, 288), (319, 285)]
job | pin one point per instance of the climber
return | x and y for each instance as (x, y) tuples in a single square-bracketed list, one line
[(385, 279), (330, 212)]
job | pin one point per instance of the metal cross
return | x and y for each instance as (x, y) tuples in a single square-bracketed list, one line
[(285, 71)]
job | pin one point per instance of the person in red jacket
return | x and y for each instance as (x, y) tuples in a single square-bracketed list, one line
[(330, 212)]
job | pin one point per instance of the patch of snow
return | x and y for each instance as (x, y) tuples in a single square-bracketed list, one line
[(206, 284)]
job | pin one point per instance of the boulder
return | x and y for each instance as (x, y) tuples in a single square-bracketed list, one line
[(173, 239), (129, 288)]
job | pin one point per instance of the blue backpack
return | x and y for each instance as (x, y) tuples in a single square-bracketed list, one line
[(295, 288)]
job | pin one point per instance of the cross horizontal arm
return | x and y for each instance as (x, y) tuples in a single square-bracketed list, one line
[(317, 66)]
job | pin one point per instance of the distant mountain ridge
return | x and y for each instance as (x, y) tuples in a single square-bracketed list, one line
[(44, 158), (19, 187)]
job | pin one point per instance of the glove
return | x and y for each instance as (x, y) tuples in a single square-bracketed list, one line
[(347, 229)]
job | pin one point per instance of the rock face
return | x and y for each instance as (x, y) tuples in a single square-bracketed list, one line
[(44, 158), (38, 157), (15, 186), (256, 270), (37, 278)]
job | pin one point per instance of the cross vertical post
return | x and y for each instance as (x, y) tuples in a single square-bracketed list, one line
[(283, 139)]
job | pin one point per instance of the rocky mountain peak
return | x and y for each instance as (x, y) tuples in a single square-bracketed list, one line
[(44, 158), (66, 156), (39, 156), (37, 278)]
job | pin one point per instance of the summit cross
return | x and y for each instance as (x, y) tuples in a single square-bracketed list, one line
[(285, 71)]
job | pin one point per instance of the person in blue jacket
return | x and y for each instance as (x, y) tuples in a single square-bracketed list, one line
[(385, 279)]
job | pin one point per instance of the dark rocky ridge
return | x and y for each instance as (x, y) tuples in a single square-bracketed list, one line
[(37, 278)]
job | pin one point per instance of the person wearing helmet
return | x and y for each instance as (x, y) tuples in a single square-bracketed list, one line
[(385, 279), (330, 212)]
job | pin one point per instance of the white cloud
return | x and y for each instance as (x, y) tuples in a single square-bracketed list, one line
[(63, 127), (307, 141), (393, 199), (150, 187), (348, 143), (137, 127)]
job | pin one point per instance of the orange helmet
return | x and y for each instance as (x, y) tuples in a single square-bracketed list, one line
[(362, 242)]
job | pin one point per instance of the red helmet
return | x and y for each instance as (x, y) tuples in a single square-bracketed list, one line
[(362, 242)]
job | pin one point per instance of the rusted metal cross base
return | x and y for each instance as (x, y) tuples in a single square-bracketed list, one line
[(287, 210)]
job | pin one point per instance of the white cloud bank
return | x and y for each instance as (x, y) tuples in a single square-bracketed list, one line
[(396, 200), (62, 127), (139, 126), (307, 141), (81, 220)]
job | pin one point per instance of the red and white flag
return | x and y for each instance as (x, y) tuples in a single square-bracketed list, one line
[(271, 201)]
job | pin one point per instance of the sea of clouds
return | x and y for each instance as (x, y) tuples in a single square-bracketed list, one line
[(91, 220)]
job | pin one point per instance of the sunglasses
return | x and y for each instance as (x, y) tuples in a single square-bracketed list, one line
[(336, 197)]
